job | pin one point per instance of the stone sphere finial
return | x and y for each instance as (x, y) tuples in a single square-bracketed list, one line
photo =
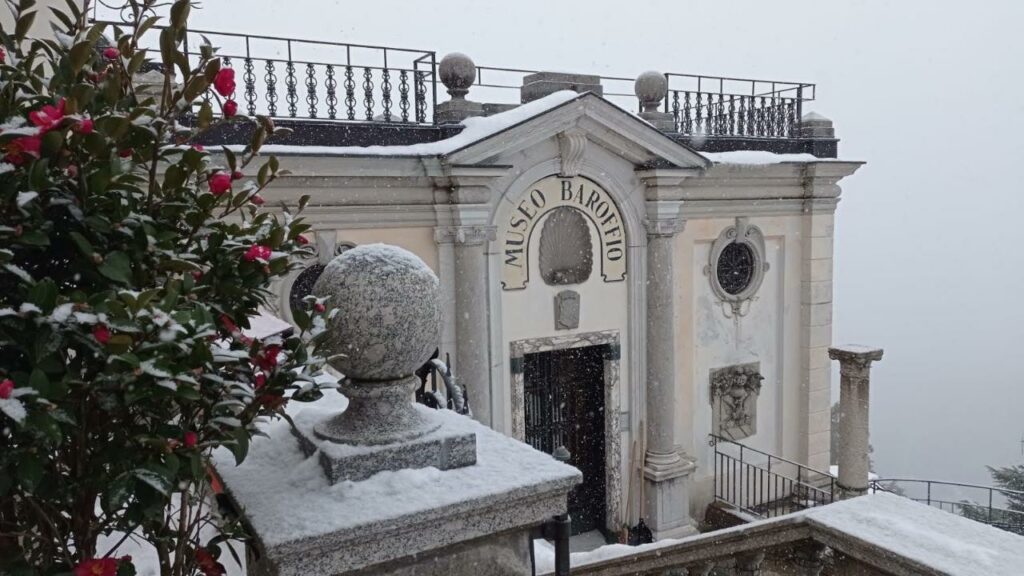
[(387, 324), (650, 88), (457, 72)]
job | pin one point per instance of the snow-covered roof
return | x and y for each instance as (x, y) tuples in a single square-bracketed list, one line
[(761, 158)]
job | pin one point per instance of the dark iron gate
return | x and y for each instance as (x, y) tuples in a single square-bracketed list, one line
[(564, 405)]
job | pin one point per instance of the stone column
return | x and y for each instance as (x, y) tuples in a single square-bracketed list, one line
[(854, 383), (666, 506)]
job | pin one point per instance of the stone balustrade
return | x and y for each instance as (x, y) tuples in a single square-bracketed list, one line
[(872, 534)]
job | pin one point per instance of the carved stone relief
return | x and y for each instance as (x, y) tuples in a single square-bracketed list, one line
[(734, 394), (566, 253), (567, 310)]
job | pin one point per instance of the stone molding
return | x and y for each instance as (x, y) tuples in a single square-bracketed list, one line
[(612, 427), (664, 228), (572, 146), (466, 235), (734, 391)]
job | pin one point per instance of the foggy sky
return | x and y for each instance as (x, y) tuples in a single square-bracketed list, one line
[(929, 258)]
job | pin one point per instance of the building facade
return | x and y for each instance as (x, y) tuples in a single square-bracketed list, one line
[(608, 288)]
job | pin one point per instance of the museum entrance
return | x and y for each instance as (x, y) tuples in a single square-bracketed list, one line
[(564, 406)]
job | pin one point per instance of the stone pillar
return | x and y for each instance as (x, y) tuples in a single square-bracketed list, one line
[(651, 88), (472, 349), (854, 384), (666, 473)]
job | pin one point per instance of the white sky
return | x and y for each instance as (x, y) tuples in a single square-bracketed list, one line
[(929, 93)]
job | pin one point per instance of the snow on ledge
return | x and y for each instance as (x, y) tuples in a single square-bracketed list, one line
[(945, 542), (761, 158), (476, 128)]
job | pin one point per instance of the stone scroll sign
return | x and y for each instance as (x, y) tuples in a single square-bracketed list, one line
[(577, 193), (734, 393)]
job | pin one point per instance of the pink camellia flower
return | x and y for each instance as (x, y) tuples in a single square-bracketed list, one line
[(72, 171), (320, 308), (230, 108), (259, 381), (220, 183), (224, 82), (126, 153), (198, 147), (302, 240), (257, 252), (257, 200), (96, 567), (237, 175), (267, 359), (3, 56), (84, 126), (47, 117), (19, 148), (6, 387), (111, 53), (190, 439), (101, 333), (197, 274)]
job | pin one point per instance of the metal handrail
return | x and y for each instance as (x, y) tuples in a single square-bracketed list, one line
[(945, 483), (755, 488), (987, 513)]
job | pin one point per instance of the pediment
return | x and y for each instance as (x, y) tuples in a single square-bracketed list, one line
[(586, 117)]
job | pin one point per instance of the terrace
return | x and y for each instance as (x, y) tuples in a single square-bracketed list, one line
[(340, 94)]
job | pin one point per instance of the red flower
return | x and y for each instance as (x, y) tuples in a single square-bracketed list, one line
[(207, 564), (257, 200), (111, 53), (47, 117), (126, 153), (190, 439), (3, 56), (97, 567), (84, 126), (230, 108), (220, 183), (197, 274), (257, 252), (101, 333), (272, 402), (6, 387), (237, 175), (259, 381), (198, 147), (320, 308), (72, 171), (17, 149), (224, 82), (302, 240), (228, 324), (267, 359)]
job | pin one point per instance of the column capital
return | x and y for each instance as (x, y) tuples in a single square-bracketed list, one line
[(855, 360), (663, 218), (467, 235)]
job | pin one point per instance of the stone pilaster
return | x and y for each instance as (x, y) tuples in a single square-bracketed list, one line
[(472, 348), (854, 436), (816, 244), (666, 472), (463, 231)]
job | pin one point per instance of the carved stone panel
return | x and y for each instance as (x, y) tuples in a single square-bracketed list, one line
[(734, 393), (566, 254), (567, 310)]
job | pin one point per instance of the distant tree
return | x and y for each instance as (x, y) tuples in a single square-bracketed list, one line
[(1008, 514)]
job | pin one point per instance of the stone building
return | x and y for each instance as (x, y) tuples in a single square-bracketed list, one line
[(620, 283)]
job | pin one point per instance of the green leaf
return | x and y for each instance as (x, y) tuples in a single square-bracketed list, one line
[(301, 318), (240, 448), (29, 471), (35, 238), (44, 295), (83, 244), (24, 24), (117, 267)]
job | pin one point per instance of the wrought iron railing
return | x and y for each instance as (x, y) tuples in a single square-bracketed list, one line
[(765, 485), (984, 504), (313, 79), (741, 107)]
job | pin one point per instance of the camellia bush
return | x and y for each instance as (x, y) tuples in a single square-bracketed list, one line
[(130, 263)]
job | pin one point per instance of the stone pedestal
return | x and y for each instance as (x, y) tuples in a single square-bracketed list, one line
[(373, 484), (854, 436)]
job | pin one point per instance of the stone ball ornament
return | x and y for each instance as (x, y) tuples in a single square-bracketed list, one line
[(650, 88), (388, 315), (457, 72), (386, 325)]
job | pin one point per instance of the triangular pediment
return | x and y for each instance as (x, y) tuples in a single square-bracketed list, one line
[(598, 120)]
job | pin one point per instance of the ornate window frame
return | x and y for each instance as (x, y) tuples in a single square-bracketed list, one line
[(745, 233)]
